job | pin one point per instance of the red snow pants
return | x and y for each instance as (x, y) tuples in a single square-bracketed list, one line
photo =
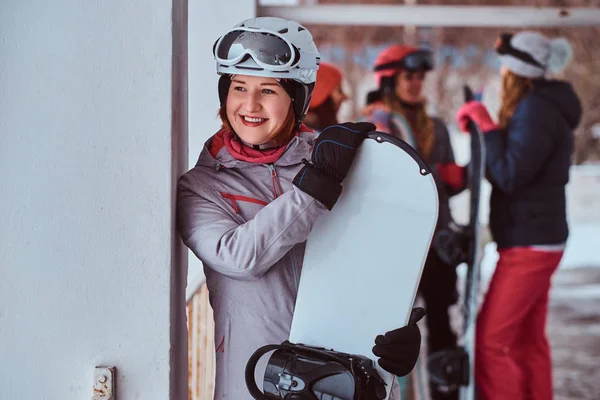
[(512, 355)]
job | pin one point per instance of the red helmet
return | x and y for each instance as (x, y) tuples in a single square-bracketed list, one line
[(399, 57)]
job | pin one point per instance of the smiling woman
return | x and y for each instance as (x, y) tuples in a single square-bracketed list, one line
[(259, 110), (248, 205)]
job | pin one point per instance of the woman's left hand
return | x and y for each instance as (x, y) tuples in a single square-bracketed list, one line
[(476, 112), (398, 350), (333, 154)]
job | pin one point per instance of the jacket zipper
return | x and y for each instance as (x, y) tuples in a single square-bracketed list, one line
[(277, 190), (234, 198)]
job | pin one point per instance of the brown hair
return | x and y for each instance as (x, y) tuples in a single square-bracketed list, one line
[(420, 123), (281, 138), (322, 116), (514, 87)]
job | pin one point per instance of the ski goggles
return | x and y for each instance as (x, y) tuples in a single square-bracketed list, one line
[(504, 48), (268, 49), (420, 60)]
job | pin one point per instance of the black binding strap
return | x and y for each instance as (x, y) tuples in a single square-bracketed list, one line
[(251, 366)]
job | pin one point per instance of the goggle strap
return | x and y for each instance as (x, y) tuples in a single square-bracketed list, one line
[(395, 65), (504, 47)]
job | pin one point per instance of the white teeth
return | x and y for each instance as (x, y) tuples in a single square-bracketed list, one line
[(249, 119)]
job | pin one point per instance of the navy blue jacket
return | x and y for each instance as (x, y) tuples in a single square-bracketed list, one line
[(528, 167)]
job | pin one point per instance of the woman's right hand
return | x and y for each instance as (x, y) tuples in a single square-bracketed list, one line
[(398, 350), (332, 156)]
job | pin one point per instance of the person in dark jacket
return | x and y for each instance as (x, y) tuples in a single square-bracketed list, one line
[(398, 107), (528, 158)]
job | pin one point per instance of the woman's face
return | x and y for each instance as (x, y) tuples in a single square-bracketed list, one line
[(338, 97), (257, 108), (409, 86)]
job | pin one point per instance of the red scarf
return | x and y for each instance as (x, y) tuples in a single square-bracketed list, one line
[(241, 152)]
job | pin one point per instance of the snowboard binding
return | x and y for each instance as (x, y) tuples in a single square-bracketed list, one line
[(449, 369), (299, 372), (451, 244)]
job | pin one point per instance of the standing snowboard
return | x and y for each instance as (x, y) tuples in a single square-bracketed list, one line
[(455, 368), (363, 261)]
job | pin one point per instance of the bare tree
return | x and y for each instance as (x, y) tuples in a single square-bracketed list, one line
[(465, 56)]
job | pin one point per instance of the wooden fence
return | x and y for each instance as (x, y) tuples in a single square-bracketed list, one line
[(201, 354)]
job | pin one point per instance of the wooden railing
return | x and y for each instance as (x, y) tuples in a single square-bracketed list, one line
[(201, 349)]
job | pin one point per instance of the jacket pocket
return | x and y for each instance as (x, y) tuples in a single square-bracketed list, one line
[(251, 329), (223, 356), (245, 206)]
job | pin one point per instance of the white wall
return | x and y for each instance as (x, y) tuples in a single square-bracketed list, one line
[(207, 21), (89, 148)]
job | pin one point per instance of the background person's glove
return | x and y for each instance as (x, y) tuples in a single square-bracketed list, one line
[(333, 154), (476, 112), (452, 175), (398, 350)]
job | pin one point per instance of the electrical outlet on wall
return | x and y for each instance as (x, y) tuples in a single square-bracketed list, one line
[(104, 384)]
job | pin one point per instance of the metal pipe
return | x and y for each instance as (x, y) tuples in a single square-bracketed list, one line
[(431, 15)]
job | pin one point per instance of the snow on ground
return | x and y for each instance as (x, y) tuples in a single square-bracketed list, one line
[(574, 333)]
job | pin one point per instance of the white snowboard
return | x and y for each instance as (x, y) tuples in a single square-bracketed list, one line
[(363, 260)]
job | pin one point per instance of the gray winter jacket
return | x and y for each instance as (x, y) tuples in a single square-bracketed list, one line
[(248, 224)]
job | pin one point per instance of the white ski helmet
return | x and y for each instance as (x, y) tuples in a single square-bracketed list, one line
[(273, 48)]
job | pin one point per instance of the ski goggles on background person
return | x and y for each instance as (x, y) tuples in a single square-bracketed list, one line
[(420, 60), (504, 48), (268, 49)]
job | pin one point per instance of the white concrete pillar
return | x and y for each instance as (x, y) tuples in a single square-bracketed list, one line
[(92, 139)]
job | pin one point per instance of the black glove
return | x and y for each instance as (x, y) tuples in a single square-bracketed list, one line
[(331, 159), (398, 350)]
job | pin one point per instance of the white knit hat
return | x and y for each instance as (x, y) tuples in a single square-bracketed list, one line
[(530, 54)]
